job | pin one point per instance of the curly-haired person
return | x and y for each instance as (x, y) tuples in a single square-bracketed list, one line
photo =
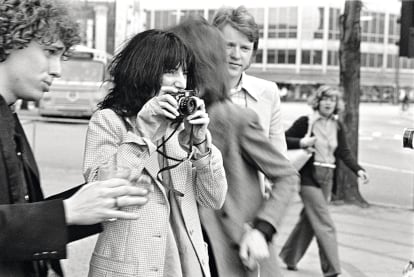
[(34, 35)]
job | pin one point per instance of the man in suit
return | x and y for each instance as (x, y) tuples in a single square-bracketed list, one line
[(34, 35)]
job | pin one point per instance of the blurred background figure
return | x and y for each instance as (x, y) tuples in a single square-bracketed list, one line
[(145, 124), (240, 234), (329, 143)]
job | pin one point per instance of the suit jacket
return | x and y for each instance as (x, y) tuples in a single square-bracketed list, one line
[(32, 229), (298, 130), (138, 247), (246, 150)]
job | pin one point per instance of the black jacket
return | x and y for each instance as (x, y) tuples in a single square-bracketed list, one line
[(31, 229)]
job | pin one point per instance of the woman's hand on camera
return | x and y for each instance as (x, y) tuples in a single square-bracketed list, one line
[(196, 123), (165, 104), (157, 115)]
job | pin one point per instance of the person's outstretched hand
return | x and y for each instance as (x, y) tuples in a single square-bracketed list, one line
[(100, 201)]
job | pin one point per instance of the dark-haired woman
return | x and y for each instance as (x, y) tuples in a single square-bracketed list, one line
[(329, 144), (139, 126)]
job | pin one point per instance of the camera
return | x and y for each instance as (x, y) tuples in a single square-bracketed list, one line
[(187, 102), (408, 138)]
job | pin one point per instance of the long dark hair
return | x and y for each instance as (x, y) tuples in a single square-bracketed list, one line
[(137, 70), (211, 75)]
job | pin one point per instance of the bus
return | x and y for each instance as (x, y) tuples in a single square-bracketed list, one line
[(81, 86)]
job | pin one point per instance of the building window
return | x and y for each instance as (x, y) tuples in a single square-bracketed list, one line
[(372, 60), (259, 56), (333, 31), (306, 57), (373, 30), (391, 61), (163, 19), (333, 58), (394, 29), (258, 18), (271, 56), (318, 34), (291, 56), (311, 57), (317, 57), (281, 56), (283, 22)]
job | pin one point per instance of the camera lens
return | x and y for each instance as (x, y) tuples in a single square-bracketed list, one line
[(187, 105)]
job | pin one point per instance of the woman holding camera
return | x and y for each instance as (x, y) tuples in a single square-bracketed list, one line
[(140, 125), (328, 143)]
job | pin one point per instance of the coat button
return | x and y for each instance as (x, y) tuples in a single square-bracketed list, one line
[(19, 153), (26, 197)]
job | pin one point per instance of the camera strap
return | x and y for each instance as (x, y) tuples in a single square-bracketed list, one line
[(166, 179)]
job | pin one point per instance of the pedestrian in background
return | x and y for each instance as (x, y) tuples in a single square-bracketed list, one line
[(241, 233), (141, 125), (34, 35), (328, 143)]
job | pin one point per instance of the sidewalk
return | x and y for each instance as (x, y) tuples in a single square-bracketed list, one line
[(373, 242)]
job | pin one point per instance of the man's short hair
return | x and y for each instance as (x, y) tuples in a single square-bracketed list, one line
[(241, 20), (45, 21)]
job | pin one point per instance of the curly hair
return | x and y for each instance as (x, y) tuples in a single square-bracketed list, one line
[(45, 21), (323, 91), (137, 70)]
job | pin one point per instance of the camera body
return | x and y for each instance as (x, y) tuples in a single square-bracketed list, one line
[(187, 102), (408, 138)]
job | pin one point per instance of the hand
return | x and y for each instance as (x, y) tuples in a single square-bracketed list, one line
[(99, 201), (198, 122), (157, 115), (307, 142), (363, 175), (253, 248)]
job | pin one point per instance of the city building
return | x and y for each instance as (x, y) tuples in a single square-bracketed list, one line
[(299, 42)]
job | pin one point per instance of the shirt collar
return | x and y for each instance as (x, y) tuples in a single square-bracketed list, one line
[(246, 85)]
